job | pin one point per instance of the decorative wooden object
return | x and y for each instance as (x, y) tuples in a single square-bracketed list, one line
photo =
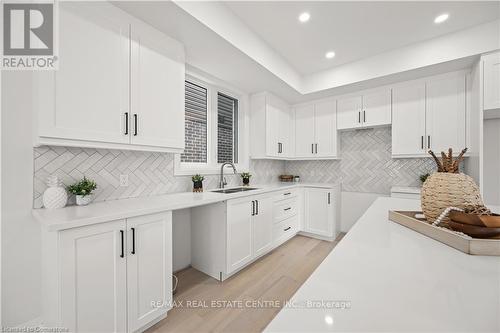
[(448, 188), (461, 242)]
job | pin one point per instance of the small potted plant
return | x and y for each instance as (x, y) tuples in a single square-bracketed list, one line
[(424, 177), (83, 191), (197, 183), (246, 178)]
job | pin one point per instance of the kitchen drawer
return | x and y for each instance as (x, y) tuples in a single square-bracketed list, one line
[(284, 209), (286, 194), (285, 230)]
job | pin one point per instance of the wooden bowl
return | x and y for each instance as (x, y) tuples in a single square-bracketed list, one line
[(475, 231), (489, 221)]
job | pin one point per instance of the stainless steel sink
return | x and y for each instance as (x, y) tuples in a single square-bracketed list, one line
[(235, 190)]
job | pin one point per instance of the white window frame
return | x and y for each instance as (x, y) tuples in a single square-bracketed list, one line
[(213, 87)]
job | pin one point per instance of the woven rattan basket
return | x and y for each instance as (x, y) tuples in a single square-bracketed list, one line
[(442, 190)]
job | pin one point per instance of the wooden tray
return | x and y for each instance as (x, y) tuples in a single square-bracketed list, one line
[(464, 243)]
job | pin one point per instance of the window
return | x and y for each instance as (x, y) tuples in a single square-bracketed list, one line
[(212, 129), (195, 150), (227, 129)]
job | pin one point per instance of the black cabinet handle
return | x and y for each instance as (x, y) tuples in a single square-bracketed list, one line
[(359, 117), (286, 229), (429, 141), (126, 123), (364, 116), (312, 148), (135, 124), (287, 193), (133, 240), (316, 148), (256, 207), (287, 209), (422, 142), (328, 197), (123, 246), (253, 207)]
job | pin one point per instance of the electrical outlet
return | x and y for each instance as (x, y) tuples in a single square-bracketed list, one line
[(123, 180)]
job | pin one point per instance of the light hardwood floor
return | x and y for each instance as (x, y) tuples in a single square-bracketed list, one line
[(274, 277)]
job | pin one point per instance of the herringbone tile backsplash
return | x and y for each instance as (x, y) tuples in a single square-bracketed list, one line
[(365, 165), (149, 173)]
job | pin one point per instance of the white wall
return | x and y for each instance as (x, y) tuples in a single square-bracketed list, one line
[(354, 204), (491, 151), (181, 239), (21, 268)]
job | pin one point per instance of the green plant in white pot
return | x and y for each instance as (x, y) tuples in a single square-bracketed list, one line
[(83, 191)]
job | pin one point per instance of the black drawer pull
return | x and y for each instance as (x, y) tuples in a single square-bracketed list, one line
[(287, 193), (287, 209), (286, 229)]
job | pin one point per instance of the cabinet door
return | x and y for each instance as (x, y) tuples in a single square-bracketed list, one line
[(377, 108), (273, 117), (284, 132), (325, 129), (149, 268), (157, 89), (491, 79), (262, 224), (319, 212), (304, 131), (349, 113), (445, 114), (239, 233), (93, 287), (87, 97), (408, 120)]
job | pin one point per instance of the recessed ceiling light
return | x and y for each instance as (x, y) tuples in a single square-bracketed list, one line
[(329, 55), (304, 17), (441, 18)]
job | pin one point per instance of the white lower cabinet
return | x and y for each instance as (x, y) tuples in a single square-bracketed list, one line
[(320, 212), (239, 233), (109, 275)]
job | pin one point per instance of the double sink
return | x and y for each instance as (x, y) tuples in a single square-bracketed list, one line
[(235, 190)]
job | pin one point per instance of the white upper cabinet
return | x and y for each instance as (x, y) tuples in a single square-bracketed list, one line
[(315, 130), (371, 109), (429, 114), (349, 112), (87, 98), (445, 113), (304, 131), (157, 89), (108, 83), (408, 119), (325, 129), (270, 125), (491, 81)]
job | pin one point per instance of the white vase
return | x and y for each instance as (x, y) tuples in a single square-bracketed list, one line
[(55, 195), (83, 200)]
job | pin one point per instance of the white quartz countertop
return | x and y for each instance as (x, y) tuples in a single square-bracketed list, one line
[(396, 280), (77, 216)]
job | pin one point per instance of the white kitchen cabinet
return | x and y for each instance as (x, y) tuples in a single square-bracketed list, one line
[(149, 268), (304, 130), (445, 113), (78, 102), (77, 105), (239, 233), (491, 81), (349, 112), (270, 124), (320, 212), (371, 109), (262, 225), (104, 277), (315, 130), (157, 89), (93, 278), (429, 114), (408, 119)]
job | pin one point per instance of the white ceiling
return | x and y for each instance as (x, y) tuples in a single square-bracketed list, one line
[(354, 30)]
